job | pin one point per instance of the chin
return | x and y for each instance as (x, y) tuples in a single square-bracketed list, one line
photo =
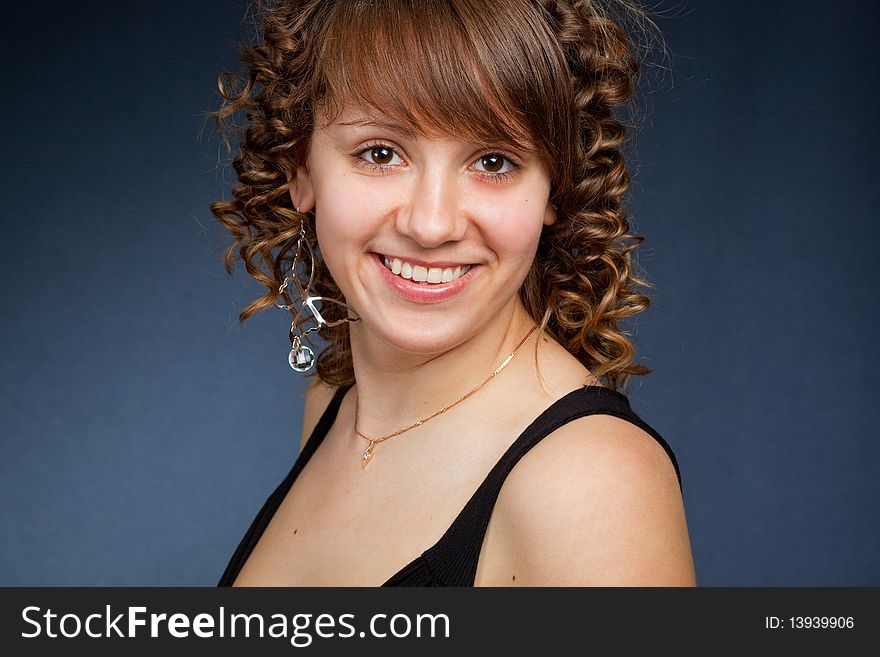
[(423, 337)]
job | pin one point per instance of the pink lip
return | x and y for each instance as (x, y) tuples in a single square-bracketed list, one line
[(418, 293), (425, 263)]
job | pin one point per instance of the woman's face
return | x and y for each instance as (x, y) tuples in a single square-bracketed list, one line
[(433, 209)]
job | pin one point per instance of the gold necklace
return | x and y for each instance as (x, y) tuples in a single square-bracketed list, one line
[(368, 453)]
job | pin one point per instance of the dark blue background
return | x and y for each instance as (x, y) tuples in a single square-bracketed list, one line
[(142, 428)]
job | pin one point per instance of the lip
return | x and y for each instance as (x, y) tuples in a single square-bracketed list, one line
[(424, 263), (425, 294)]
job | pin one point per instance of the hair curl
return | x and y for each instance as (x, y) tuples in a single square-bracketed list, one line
[(545, 72)]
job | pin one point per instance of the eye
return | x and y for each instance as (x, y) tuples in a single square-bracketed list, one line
[(379, 155), (494, 163)]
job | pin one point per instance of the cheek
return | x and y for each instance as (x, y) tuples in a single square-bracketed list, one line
[(342, 223), (514, 229)]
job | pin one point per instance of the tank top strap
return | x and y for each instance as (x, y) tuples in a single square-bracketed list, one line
[(322, 428), (453, 559), (262, 519)]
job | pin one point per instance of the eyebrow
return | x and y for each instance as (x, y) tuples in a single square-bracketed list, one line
[(410, 134), (385, 125)]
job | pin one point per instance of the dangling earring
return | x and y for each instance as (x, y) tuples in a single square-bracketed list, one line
[(301, 356)]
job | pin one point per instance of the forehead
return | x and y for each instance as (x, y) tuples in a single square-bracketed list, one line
[(354, 122), (434, 68), (351, 118)]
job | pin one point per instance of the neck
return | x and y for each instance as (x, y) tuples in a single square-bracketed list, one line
[(396, 388)]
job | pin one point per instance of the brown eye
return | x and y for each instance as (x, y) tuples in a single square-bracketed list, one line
[(381, 155), (496, 167), (492, 163)]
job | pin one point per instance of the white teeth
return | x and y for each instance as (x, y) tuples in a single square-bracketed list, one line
[(423, 274), (419, 274)]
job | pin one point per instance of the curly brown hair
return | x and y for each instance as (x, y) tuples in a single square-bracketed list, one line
[(541, 74)]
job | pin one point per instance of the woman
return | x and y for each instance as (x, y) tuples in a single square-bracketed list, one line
[(435, 188)]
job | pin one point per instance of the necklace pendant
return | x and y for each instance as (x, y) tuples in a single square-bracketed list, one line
[(368, 454)]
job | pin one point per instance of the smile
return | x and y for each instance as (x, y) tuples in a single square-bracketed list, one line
[(403, 279), (421, 274)]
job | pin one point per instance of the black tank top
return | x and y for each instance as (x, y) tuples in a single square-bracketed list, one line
[(452, 561)]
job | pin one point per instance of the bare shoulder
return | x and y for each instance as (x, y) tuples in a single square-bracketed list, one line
[(596, 503), (317, 398)]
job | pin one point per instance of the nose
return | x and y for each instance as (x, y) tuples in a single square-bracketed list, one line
[(432, 213)]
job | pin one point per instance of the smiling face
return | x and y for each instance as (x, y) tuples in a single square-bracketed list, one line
[(429, 237), (436, 132)]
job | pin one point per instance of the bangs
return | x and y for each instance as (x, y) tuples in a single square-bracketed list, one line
[(485, 72)]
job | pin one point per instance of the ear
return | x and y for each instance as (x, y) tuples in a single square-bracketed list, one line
[(302, 193), (550, 214)]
